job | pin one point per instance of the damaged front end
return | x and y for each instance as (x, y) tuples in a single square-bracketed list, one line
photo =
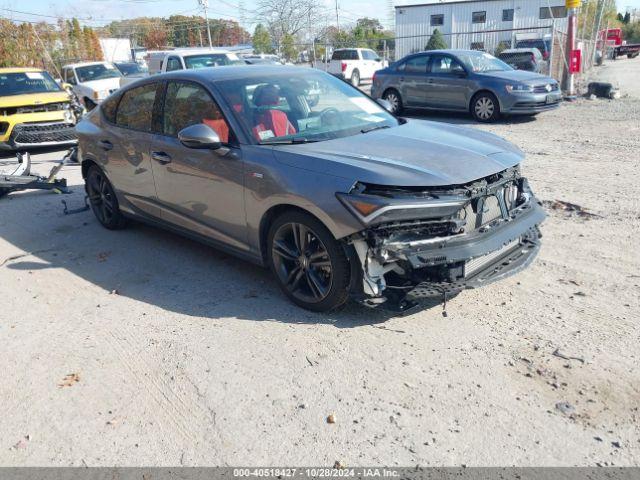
[(432, 242)]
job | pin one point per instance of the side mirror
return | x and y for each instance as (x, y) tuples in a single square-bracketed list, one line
[(378, 59), (200, 136), (385, 104)]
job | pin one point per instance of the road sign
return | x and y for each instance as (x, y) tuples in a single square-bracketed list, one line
[(573, 3)]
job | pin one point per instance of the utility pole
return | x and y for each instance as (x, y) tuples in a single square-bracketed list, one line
[(572, 19), (337, 17), (205, 4)]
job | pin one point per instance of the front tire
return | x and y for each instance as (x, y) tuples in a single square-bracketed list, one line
[(485, 107), (309, 264), (393, 97), (103, 201)]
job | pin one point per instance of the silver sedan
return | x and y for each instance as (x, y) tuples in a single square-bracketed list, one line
[(465, 81)]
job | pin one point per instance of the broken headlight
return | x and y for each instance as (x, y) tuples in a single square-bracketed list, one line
[(372, 210)]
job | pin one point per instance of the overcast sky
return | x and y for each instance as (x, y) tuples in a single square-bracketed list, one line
[(105, 10)]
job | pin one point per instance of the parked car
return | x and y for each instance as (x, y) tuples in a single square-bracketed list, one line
[(191, 58), (339, 200), (542, 44), (528, 59), (91, 82), (355, 64), (262, 58), (34, 110), (128, 69), (466, 81)]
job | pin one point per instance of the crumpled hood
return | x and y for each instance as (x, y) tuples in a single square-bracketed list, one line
[(419, 153)]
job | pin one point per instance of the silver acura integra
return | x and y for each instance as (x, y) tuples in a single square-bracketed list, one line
[(337, 197)]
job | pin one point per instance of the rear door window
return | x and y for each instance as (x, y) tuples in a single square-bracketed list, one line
[(135, 110), (345, 55)]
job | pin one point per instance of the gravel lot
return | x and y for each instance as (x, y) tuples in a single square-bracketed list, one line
[(142, 348)]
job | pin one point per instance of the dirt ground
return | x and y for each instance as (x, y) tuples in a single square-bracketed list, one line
[(139, 347)]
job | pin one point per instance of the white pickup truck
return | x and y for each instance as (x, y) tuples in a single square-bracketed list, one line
[(355, 64), (185, 59), (91, 82)]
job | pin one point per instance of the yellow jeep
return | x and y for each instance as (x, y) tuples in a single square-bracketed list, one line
[(34, 110)]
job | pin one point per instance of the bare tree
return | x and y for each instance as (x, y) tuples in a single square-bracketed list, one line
[(288, 17)]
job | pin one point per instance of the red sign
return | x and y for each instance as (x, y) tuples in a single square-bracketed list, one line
[(575, 61)]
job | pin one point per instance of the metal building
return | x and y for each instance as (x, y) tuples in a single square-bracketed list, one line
[(477, 24)]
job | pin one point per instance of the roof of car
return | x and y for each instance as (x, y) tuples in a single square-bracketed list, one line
[(20, 70), (233, 72), (519, 50), (196, 51), (83, 64)]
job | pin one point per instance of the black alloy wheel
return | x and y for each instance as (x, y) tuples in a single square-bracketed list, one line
[(102, 199), (309, 264)]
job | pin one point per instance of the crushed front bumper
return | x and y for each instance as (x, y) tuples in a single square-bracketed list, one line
[(445, 266)]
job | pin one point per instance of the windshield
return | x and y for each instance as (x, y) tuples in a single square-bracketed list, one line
[(27, 82), (97, 71), (131, 68), (480, 62), (310, 107), (212, 60)]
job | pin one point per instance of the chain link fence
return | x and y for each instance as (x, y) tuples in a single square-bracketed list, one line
[(513, 46)]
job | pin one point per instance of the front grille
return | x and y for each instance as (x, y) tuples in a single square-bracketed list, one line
[(543, 88), (48, 107), (536, 104), (34, 133)]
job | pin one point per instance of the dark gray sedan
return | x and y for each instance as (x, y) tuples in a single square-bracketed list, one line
[(340, 198), (466, 81)]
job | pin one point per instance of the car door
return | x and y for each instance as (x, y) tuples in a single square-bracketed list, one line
[(412, 80), (448, 84), (199, 190), (125, 146)]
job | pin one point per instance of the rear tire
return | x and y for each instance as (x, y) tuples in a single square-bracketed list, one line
[(485, 107), (103, 200), (355, 78), (393, 97), (309, 264)]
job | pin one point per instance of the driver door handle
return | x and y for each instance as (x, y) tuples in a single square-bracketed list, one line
[(161, 157)]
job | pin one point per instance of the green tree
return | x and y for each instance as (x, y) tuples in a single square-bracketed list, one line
[(261, 40), (289, 50), (436, 41)]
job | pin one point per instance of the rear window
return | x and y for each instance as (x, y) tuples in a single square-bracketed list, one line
[(345, 55), (515, 57), (539, 44)]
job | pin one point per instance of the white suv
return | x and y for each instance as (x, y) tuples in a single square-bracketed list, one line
[(92, 82), (355, 64)]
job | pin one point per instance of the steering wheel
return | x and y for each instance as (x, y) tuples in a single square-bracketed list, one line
[(329, 116)]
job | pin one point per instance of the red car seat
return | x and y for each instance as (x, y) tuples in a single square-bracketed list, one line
[(272, 119)]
